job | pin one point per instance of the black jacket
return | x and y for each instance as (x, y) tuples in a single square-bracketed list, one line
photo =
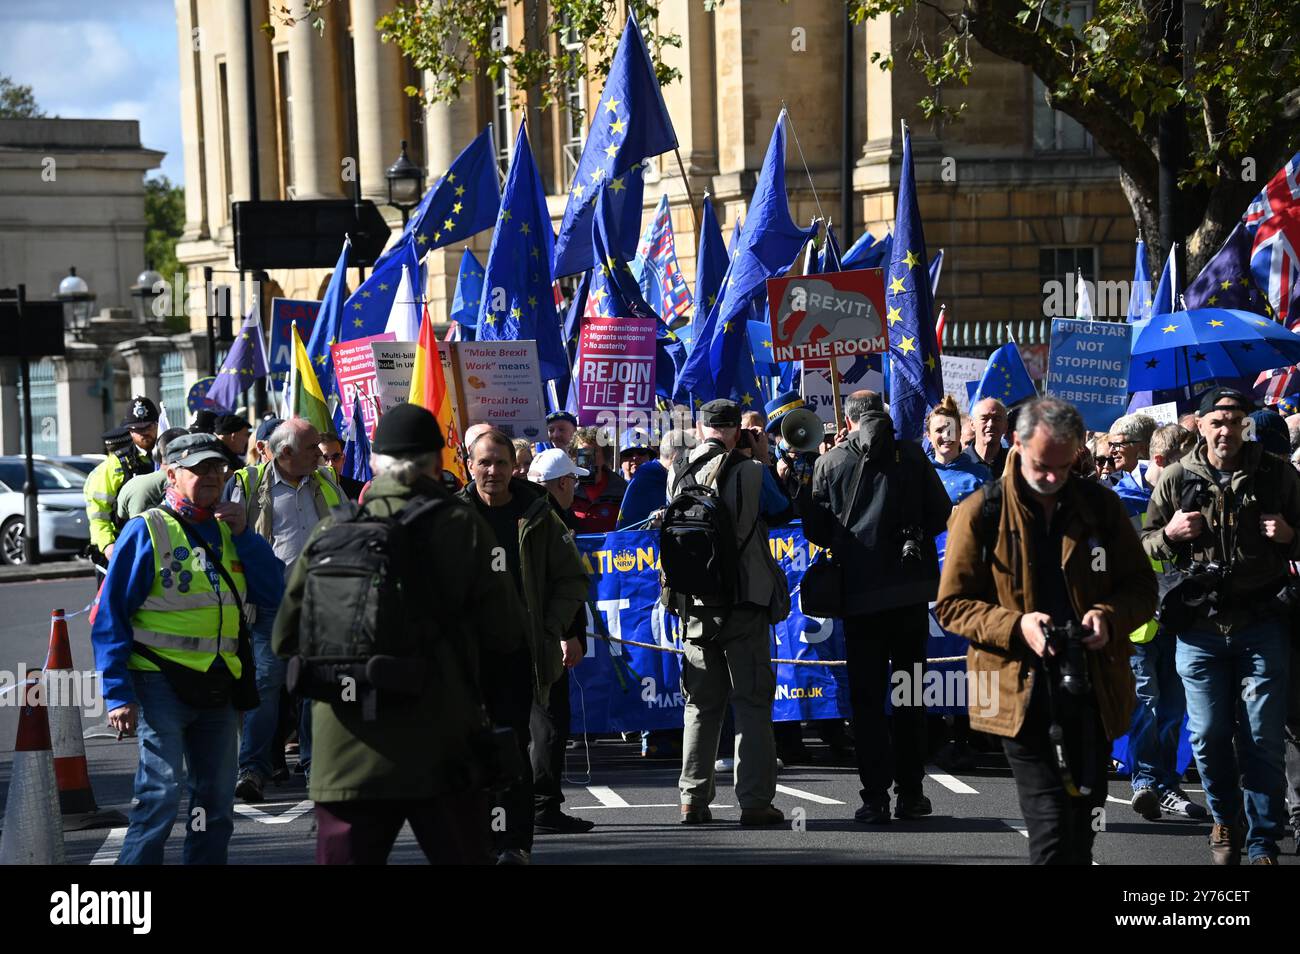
[(899, 489)]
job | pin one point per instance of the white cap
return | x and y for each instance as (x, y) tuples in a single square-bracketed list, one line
[(553, 463)]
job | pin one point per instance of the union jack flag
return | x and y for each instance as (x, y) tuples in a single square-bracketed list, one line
[(1273, 220), (656, 267), (1275, 385)]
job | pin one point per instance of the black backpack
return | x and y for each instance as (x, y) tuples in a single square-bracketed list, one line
[(698, 556), (364, 618)]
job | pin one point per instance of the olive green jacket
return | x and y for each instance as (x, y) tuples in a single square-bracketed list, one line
[(423, 749)]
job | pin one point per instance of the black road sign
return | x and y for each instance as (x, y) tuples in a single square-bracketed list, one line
[(307, 233), (39, 336)]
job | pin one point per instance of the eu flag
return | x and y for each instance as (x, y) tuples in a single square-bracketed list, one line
[(1226, 280), (916, 381), (244, 364), (722, 365), (1005, 378), (1141, 297), (830, 258), (1165, 302), (329, 326), (463, 202), (867, 252), (469, 292), (710, 265), (366, 312), (356, 454), (614, 292), (518, 302), (631, 124)]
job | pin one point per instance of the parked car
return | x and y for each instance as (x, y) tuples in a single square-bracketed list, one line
[(63, 526), (82, 462)]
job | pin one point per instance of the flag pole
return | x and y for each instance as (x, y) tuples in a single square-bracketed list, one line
[(690, 197), (786, 112)]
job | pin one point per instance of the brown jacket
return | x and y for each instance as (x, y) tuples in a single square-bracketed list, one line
[(983, 599)]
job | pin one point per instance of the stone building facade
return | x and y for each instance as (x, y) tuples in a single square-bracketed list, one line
[(1016, 194)]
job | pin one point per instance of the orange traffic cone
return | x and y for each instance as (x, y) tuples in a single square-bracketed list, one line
[(76, 799), (32, 832)]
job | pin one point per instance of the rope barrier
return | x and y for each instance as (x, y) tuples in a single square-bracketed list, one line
[(781, 662)]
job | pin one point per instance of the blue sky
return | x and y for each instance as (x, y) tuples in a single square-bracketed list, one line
[(100, 59)]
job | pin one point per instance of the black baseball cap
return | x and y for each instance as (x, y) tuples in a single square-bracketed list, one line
[(720, 413), (265, 429), (1228, 399), (191, 449)]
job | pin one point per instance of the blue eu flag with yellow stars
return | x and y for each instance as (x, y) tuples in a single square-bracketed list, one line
[(615, 292), (916, 380), (463, 202), (1226, 280), (329, 326), (517, 301), (710, 265), (722, 363), (630, 125), (366, 311), (1005, 378), (469, 293), (244, 364)]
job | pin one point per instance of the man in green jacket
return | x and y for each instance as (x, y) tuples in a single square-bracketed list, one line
[(414, 763), (551, 582)]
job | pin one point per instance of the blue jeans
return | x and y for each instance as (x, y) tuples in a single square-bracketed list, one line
[(174, 737), (1237, 688), (260, 723), (1158, 719)]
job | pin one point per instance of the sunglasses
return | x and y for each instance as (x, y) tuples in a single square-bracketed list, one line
[(207, 468)]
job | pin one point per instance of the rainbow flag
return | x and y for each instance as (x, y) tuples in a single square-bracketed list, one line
[(305, 396), (429, 391)]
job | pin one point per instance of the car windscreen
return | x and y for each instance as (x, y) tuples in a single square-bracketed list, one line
[(13, 474)]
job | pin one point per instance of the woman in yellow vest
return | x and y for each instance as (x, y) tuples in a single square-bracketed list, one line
[(166, 635)]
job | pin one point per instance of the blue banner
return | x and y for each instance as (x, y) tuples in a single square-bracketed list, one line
[(1088, 367), (284, 312), (621, 688)]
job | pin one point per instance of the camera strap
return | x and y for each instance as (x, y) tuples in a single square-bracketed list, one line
[(1056, 736)]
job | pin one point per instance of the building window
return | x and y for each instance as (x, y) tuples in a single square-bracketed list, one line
[(1054, 131), (224, 104), (45, 409), (285, 100), (573, 111), (1059, 265), (171, 385), (501, 100)]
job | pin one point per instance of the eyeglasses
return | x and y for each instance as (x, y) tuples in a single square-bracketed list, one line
[(207, 468)]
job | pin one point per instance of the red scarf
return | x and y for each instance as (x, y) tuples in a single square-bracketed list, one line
[(186, 507)]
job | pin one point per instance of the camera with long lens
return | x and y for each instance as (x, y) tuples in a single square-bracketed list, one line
[(1066, 643), (910, 538), (1196, 594)]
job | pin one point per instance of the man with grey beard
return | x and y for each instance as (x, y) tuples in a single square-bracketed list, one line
[(1027, 556)]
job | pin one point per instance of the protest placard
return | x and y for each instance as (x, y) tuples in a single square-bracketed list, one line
[(1162, 413), (284, 312), (394, 361), (354, 369), (616, 367), (856, 374), (498, 382), (957, 372), (1088, 367), (837, 313)]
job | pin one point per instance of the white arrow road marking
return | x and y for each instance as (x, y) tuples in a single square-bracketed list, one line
[(800, 793), (107, 853), (1016, 825), (257, 815), (607, 797), (949, 782)]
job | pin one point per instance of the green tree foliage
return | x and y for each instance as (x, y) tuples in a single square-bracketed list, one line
[(164, 213), (17, 101)]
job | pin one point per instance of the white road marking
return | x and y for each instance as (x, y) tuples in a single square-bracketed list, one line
[(607, 797), (800, 793), (1122, 801), (1016, 825), (257, 815), (595, 808), (949, 782), (108, 851)]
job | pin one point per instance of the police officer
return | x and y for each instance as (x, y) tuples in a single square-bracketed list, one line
[(126, 459), (166, 638)]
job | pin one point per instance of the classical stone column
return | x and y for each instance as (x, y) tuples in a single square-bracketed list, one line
[(237, 100), (381, 98), (143, 358), (189, 42), (83, 412), (317, 111)]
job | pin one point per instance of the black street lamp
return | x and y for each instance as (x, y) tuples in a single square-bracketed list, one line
[(405, 184), (78, 302), (145, 291)]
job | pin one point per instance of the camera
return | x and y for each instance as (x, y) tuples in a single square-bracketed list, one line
[(1066, 642), (1196, 593), (585, 457), (911, 537)]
